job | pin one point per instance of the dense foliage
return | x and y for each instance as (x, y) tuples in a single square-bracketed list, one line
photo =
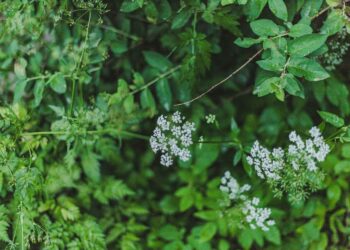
[(95, 153)]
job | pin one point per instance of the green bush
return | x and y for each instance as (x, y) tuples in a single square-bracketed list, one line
[(97, 96)]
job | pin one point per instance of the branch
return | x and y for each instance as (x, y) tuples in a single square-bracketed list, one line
[(164, 75), (223, 80)]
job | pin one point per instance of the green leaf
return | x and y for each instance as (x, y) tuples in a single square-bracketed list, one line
[(264, 27), (254, 8), (207, 232), (334, 23), (58, 83), (147, 100), (304, 45), (311, 8), (342, 167), (333, 3), (273, 235), (157, 60), (129, 104), (345, 151), (245, 238), (205, 156), (337, 92), (227, 2), (275, 64), (130, 6), (299, 30), (279, 8), (20, 68), (38, 92), (91, 165), (332, 119), (292, 86), (164, 10), (181, 19), (19, 89), (186, 202), (164, 93), (211, 215), (246, 42), (267, 86), (333, 193), (170, 232), (308, 68)]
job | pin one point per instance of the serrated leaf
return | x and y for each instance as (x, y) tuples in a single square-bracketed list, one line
[(91, 165), (304, 45)]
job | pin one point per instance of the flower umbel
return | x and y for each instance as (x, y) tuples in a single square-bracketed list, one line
[(255, 216), (172, 137), (293, 169)]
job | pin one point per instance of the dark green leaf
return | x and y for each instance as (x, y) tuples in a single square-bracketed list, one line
[(264, 27), (304, 45), (181, 19)]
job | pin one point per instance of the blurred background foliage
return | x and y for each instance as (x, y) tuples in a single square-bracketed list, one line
[(81, 84)]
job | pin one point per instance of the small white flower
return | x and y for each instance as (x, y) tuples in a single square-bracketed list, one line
[(230, 186), (210, 118), (172, 137), (299, 155), (255, 216)]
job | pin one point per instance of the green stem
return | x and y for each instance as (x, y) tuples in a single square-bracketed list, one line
[(339, 131), (216, 142), (90, 132)]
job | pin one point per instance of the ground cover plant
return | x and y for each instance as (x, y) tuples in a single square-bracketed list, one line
[(158, 124)]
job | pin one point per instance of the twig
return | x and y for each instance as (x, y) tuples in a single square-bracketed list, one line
[(223, 80), (245, 64), (166, 74), (241, 93)]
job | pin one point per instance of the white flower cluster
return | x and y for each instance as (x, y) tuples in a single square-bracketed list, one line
[(172, 137), (338, 47), (255, 216), (210, 118), (299, 153), (230, 186)]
